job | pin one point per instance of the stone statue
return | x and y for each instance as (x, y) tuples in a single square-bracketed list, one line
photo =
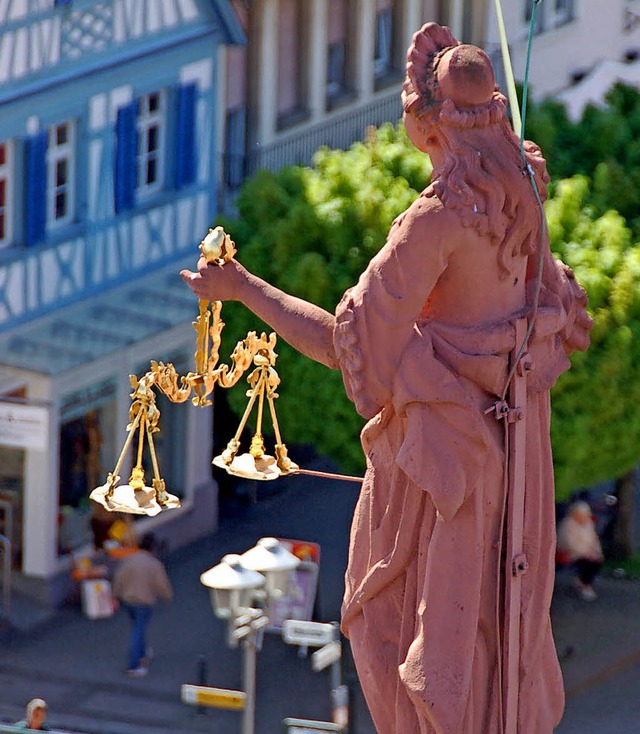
[(426, 343)]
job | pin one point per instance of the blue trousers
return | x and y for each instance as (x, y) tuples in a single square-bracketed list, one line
[(140, 616)]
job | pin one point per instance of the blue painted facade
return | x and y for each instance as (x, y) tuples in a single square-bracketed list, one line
[(108, 129), (89, 64)]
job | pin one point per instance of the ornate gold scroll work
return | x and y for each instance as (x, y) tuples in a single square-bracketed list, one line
[(139, 498)]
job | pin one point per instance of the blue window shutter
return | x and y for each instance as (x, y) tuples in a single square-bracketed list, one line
[(186, 163), (126, 157), (36, 188)]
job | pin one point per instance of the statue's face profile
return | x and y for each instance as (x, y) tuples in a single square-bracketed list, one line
[(424, 140), (416, 131)]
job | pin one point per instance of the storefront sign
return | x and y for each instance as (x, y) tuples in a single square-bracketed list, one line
[(89, 398), (24, 426)]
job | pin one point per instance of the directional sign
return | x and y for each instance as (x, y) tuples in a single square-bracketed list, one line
[(325, 656), (306, 726), (219, 698), (301, 632)]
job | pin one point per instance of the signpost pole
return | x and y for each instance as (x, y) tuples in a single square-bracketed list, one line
[(249, 645)]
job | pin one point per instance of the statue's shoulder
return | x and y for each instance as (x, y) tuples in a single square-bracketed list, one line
[(427, 223), (428, 215)]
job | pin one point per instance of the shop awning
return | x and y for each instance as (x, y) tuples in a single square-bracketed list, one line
[(100, 325)]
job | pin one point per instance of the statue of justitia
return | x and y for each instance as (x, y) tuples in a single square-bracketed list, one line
[(455, 519)]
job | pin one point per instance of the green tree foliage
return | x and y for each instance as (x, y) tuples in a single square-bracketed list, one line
[(604, 145), (596, 417), (312, 231)]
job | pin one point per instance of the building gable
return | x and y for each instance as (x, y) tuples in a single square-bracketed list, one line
[(40, 39)]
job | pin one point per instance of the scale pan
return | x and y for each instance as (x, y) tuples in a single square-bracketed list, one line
[(246, 466), (125, 498)]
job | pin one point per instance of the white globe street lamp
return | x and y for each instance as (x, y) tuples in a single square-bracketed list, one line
[(235, 584)]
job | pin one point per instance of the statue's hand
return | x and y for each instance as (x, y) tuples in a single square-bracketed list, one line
[(216, 282)]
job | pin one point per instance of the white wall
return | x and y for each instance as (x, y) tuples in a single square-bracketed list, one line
[(597, 33)]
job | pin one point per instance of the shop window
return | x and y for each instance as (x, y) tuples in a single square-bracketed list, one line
[(87, 453), (12, 488), (6, 194), (169, 442)]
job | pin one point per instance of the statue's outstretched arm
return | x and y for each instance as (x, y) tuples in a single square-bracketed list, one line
[(308, 328)]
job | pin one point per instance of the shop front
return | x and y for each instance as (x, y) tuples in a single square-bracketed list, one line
[(64, 408)]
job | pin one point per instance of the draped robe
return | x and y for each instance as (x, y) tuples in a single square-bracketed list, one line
[(422, 581)]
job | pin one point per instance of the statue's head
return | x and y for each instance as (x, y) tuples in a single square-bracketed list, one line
[(449, 82)]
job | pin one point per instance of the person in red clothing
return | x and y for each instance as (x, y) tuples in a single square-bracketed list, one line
[(139, 581)]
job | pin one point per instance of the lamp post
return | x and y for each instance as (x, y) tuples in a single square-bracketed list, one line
[(235, 585)]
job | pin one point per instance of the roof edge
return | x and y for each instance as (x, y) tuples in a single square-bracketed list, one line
[(233, 32)]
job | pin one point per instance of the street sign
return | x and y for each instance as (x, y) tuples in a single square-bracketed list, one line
[(301, 632), (306, 726), (325, 656), (219, 698)]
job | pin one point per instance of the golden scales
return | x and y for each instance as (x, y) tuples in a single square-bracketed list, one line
[(137, 497)]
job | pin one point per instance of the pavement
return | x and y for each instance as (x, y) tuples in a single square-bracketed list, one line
[(77, 664)]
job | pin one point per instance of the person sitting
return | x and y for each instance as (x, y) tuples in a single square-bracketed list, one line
[(35, 716), (578, 542)]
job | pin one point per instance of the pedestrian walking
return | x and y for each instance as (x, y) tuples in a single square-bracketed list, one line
[(35, 716), (139, 581)]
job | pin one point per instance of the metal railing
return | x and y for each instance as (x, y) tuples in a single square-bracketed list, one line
[(338, 131)]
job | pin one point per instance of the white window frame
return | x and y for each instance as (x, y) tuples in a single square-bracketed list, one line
[(147, 120), (58, 153), (6, 207)]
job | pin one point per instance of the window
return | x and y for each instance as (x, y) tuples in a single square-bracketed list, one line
[(550, 15), (335, 69), (293, 59), (60, 175), (142, 149), (339, 56), (235, 147), (151, 142), (6, 194), (539, 26), (564, 11), (384, 30), (50, 172)]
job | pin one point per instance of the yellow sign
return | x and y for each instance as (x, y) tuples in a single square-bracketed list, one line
[(218, 698)]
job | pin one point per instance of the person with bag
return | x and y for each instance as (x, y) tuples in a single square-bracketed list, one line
[(139, 581)]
